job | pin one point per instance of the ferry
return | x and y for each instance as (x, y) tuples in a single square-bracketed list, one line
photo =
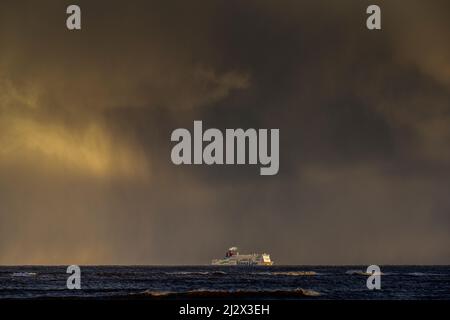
[(233, 258)]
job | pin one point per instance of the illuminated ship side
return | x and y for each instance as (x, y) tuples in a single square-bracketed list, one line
[(233, 258)]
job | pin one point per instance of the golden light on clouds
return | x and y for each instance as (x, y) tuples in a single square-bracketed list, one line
[(86, 117), (90, 150)]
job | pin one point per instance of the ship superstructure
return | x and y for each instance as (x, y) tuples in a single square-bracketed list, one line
[(233, 258)]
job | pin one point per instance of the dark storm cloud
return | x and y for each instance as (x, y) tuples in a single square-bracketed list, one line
[(85, 171)]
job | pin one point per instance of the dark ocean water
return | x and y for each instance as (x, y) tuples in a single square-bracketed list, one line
[(276, 282)]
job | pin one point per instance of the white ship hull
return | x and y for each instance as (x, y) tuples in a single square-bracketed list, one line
[(233, 258)]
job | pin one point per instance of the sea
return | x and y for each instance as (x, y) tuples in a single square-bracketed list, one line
[(217, 282)]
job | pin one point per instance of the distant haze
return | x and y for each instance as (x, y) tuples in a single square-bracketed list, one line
[(86, 117)]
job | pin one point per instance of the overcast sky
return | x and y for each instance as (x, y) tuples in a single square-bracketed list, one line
[(86, 118)]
